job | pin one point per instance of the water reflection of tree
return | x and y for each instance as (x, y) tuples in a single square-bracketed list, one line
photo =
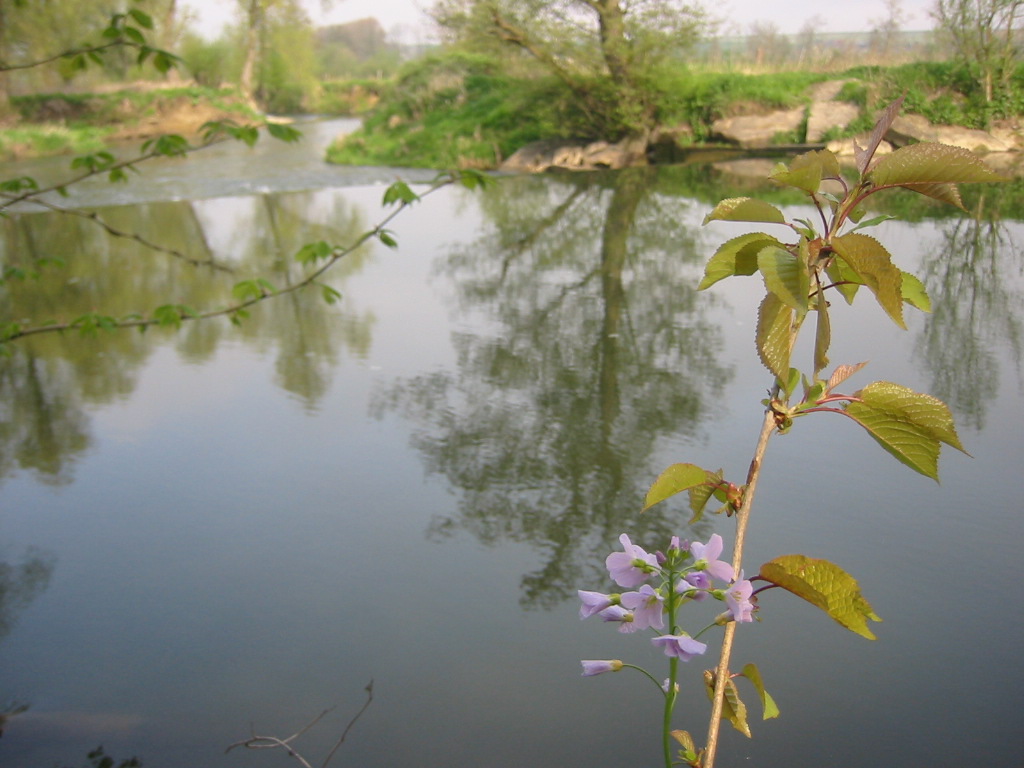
[(47, 383), (19, 586), (593, 352), (974, 286)]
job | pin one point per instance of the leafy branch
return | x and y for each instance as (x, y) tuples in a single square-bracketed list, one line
[(249, 293)]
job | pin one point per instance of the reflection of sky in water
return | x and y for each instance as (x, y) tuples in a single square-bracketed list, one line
[(225, 556)]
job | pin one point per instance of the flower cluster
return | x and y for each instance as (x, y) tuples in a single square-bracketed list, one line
[(685, 572)]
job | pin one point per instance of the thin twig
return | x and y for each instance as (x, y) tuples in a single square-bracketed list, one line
[(742, 518), (369, 698), (114, 232)]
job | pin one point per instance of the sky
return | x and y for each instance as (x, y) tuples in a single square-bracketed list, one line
[(405, 19)]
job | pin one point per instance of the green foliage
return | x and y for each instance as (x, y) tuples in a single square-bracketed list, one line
[(456, 110), (824, 585)]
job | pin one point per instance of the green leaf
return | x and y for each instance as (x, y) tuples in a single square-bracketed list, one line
[(751, 672), (907, 424), (930, 163), (247, 290), (745, 209), (786, 276), (873, 222), (775, 334), (283, 132), (822, 337), (736, 257), (386, 237), (134, 35), (825, 585), (399, 192), (873, 264), (675, 479), (847, 282), (313, 252), (701, 494), (807, 170), (167, 315), (331, 296), (914, 292), (733, 708), (142, 19)]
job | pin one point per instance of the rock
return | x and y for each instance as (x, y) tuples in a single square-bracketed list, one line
[(758, 131), (843, 148), (747, 167), (542, 155), (908, 129), (826, 115)]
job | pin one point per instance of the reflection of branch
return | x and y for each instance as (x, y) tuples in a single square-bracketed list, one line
[(237, 310), (113, 231), (273, 742)]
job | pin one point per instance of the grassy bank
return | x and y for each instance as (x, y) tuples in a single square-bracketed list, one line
[(456, 109), (52, 124)]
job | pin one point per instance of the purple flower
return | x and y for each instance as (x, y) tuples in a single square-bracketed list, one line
[(646, 607), (694, 585), (621, 615), (737, 597), (593, 667), (632, 566), (681, 646), (593, 602), (706, 556)]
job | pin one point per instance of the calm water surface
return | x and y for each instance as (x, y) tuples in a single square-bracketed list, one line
[(222, 530)]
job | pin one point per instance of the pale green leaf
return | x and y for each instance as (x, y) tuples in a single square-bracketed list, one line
[(675, 479), (735, 257), (869, 259), (751, 672), (822, 338), (775, 334), (807, 170), (701, 494), (786, 276), (931, 163), (733, 708), (846, 281), (914, 292), (824, 585), (746, 209), (907, 424)]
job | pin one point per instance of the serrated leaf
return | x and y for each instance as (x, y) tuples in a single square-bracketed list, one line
[(786, 276), (735, 257), (733, 708), (824, 585), (746, 209), (931, 163), (775, 334), (751, 672), (841, 374), (807, 170), (701, 494), (907, 424), (846, 281), (914, 292), (873, 264), (822, 338), (675, 479), (944, 193)]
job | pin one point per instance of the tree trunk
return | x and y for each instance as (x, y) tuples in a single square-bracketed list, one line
[(254, 22)]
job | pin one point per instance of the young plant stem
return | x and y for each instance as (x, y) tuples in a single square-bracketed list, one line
[(673, 668), (742, 518)]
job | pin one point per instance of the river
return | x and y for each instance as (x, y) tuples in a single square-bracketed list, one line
[(221, 530)]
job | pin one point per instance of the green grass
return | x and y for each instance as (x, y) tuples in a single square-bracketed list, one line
[(40, 140)]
